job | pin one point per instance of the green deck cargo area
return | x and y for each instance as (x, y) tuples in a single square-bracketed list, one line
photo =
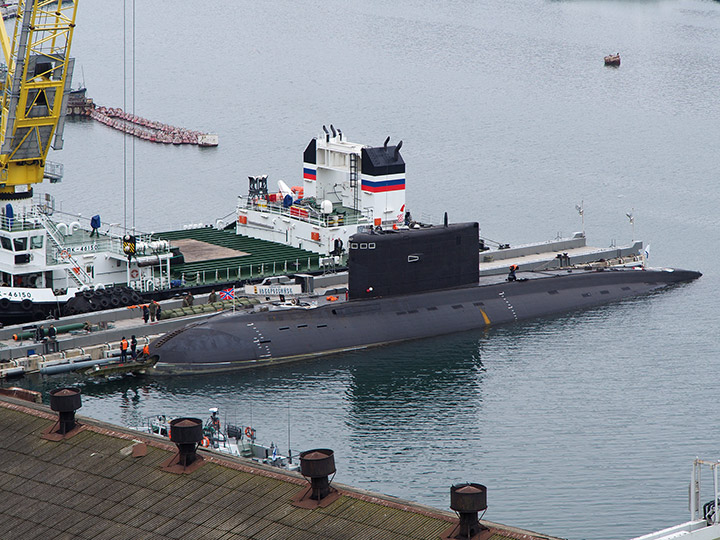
[(222, 255)]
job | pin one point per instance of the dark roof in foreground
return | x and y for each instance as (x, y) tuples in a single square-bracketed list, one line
[(90, 486)]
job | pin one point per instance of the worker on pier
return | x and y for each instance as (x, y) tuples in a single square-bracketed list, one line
[(133, 347), (511, 275), (145, 313), (212, 297), (123, 349), (189, 300), (40, 333), (152, 308)]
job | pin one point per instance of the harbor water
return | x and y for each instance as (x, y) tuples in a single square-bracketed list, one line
[(582, 426)]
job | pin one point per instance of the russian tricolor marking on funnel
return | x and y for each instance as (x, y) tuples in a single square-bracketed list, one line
[(383, 185), (309, 174)]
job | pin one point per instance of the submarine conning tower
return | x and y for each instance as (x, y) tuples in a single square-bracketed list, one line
[(406, 261), (365, 179)]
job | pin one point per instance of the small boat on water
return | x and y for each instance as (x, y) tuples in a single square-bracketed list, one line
[(704, 521), (236, 440), (612, 60)]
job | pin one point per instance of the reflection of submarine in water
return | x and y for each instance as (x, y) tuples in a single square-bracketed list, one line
[(404, 284)]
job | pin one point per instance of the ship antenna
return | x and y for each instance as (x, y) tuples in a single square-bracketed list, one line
[(386, 142), (289, 450), (445, 221)]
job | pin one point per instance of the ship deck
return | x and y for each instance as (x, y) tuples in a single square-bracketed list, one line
[(222, 255)]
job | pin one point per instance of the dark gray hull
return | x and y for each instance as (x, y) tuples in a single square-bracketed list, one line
[(252, 339)]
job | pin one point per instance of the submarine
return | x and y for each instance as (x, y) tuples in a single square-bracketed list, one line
[(405, 284)]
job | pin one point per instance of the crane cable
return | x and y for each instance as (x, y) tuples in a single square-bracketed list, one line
[(132, 90)]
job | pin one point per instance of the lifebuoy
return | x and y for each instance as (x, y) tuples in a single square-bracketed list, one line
[(249, 432), (64, 254), (205, 442), (134, 273)]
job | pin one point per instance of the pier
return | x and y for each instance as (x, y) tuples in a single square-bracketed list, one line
[(93, 339)]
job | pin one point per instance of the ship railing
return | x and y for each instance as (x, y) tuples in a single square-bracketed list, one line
[(252, 271), (306, 213), (709, 511), (23, 221), (75, 230), (59, 253)]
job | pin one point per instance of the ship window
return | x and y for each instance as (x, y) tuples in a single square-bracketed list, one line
[(284, 328), (363, 245), (322, 325), (433, 308), (20, 243), (36, 242), (625, 288), (371, 245), (478, 303), (604, 292), (586, 294), (554, 291), (6, 244), (353, 245), (302, 325), (457, 306)]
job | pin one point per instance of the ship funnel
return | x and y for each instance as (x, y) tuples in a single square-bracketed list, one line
[(65, 401), (386, 142), (397, 150), (332, 128), (318, 465), (186, 433), (467, 500)]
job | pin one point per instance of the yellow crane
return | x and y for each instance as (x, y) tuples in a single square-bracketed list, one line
[(34, 91)]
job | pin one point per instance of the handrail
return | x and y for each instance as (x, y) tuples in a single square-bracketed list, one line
[(313, 217), (75, 270)]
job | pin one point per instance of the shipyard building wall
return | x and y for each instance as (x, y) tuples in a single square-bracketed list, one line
[(409, 261)]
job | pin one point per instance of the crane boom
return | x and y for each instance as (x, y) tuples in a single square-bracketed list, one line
[(34, 94)]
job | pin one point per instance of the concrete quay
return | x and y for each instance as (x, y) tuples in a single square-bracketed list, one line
[(81, 349)]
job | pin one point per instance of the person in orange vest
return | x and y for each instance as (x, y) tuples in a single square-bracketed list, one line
[(123, 349), (146, 350), (513, 269)]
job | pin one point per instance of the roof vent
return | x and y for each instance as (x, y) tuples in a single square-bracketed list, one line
[(65, 401), (467, 500), (317, 465), (186, 433)]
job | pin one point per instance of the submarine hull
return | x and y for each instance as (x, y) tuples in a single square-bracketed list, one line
[(252, 339)]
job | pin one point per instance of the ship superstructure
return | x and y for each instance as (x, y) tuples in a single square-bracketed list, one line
[(346, 188)]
